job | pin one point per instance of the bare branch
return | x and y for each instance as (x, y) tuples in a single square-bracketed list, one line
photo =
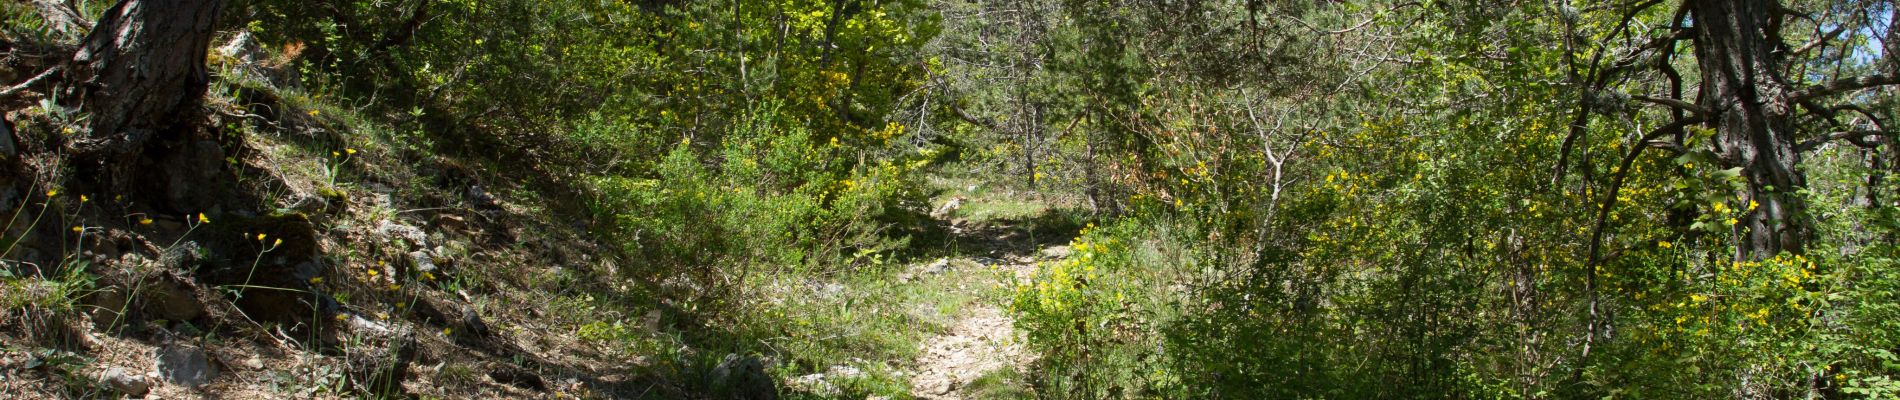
[(1859, 138), (1844, 85), (1679, 104), (16, 89), (1823, 39)]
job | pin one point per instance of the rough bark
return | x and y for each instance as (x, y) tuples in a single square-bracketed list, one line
[(141, 78), (1743, 87)]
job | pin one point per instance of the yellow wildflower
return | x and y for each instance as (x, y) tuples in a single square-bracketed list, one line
[(145, 221), (349, 151), (316, 280), (78, 229), (260, 237), (83, 198), (277, 243), (52, 192), (1665, 244), (202, 219), (342, 317), (314, 113)]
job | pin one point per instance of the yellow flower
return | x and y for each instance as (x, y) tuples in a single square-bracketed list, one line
[(313, 113), (202, 219), (277, 243), (350, 151), (342, 317), (83, 198), (145, 221), (427, 276), (372, 272), (316, 280), (1732, 221), (448, 331), (1665, 244), (260, 237), (336, 154), (52, 192), (78, 229), (394, 287)]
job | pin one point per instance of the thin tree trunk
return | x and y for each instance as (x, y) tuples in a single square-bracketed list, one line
[(1743, 87)]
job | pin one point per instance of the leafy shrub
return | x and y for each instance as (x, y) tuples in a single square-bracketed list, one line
[(768, 196)]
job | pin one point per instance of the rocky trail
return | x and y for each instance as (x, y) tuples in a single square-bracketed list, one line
[(983, 340)]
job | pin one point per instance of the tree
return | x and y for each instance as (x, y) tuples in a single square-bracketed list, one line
[(1751, 96), (141, 77)]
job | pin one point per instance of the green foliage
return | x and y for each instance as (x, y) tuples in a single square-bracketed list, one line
[(1444, 223), (775, 198)]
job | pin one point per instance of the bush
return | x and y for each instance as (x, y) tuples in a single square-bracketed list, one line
[(770, 195)]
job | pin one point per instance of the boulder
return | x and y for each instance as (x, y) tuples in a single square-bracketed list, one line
[(129, 384), (186, 365), (744, 378)]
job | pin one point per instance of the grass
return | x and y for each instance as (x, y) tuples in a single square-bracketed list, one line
[(1004, 383)]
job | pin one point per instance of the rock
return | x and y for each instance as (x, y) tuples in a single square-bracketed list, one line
[(949, 208), (744, 378), (1054, 253), (171, 298), (243, 48), (106, 306), (364, 325), (651, 321), (815, 383), (414, 235), (844, 371), (479, 196), (826, 289), (472, 322), (126, 383), (186, 256), (422, 261), (185, 365), (518, 377)]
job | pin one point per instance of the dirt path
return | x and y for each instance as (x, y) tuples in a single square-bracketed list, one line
[(981, 341)]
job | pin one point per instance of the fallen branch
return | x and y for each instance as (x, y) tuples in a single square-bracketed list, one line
[(17, 89)]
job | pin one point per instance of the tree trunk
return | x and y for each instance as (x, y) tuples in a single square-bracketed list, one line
[(1749, 100), (141, 78)]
